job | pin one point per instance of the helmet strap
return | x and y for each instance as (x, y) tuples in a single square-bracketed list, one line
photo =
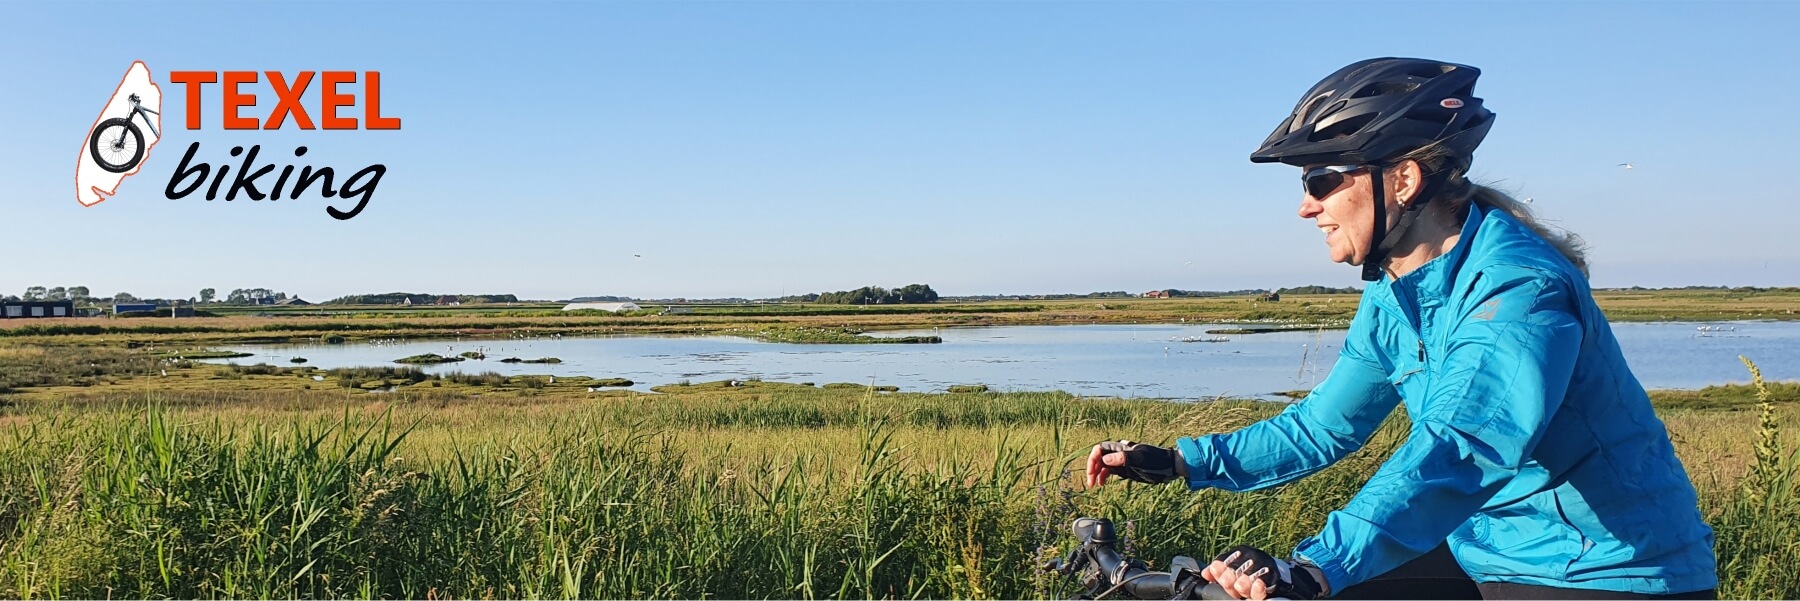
[(1384, 240)]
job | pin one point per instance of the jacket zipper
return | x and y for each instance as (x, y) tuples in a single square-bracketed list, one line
[(1421, 351)]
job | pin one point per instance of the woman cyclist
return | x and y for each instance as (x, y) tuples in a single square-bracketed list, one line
[(1534, 467)]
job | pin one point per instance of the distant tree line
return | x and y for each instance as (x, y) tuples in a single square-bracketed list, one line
[(1318, 290), (71, 293), (245, 296), (400, 298), (910, 294), (82, 295)]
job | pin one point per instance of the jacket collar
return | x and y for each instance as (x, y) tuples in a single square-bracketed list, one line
[(1431, 282)]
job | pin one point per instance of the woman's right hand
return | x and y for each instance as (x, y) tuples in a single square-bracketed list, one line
[(1133, 461)]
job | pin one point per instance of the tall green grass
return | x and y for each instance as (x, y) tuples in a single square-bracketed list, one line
[(604, 502), (1757, 522)]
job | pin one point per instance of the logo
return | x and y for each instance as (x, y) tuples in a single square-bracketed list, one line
[(1451, 103), (117, 147), (1488, 309)]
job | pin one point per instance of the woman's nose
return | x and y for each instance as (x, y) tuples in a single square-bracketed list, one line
[(1310, 207)]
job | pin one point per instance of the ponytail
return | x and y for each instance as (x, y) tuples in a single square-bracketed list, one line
[(1452, 192)]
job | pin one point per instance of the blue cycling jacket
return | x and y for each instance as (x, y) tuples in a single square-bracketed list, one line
[(1533, 450)]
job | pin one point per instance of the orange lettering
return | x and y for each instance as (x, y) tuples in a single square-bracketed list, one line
[(193, 79), (372, 118), (328, 110), (235, 100), (287, 100)]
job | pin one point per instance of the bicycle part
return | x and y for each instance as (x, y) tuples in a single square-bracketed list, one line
[(1283, 579), (138, 110), (1103, 571), (116, 145)]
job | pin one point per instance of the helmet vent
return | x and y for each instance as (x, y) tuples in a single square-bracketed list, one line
[(1342, 128), (1430, 71), (1432, 114), (1385, 88), (1305, 113)]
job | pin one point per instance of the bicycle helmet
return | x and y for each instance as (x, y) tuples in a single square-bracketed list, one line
[(1378, 109), (1375, 111)]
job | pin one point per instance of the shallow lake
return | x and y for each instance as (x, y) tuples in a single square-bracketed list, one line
[(1090, 360)]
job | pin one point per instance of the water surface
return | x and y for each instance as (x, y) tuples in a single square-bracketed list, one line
[(1111, 360)]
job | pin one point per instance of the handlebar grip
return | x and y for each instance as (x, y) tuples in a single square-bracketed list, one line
[(1213, 592)]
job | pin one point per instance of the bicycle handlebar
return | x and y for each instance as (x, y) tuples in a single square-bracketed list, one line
[(1104, 571)]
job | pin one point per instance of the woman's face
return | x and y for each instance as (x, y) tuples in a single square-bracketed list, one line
[(1343, 216)]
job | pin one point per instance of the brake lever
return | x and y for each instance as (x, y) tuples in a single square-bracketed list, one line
[(1067, 565)]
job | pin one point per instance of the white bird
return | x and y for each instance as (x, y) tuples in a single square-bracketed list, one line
[(1626, 165)]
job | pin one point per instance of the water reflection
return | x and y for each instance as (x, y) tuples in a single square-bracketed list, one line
[(1165, 361)]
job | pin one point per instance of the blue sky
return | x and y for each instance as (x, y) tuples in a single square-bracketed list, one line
[(760, 148)]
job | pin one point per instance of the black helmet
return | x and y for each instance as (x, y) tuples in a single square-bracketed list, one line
[(1378, 109)]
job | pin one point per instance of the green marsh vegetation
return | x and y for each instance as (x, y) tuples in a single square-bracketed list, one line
[(268, 483), (1302, 311), (134, 472)]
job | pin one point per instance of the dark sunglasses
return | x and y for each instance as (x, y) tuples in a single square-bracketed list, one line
[(1322, 181)]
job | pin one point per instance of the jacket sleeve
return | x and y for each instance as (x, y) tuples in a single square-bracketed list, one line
[(1334, 420), (1503, 375)]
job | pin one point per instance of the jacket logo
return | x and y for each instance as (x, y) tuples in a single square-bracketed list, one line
[(1488, 309)]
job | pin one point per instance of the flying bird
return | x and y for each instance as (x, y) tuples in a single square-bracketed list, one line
[(1528, 200), (1626, 165)]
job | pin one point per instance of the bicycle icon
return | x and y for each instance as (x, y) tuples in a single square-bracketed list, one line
[(117, 144)]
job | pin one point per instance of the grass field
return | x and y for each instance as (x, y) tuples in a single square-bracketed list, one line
[(131, 471), (262, 482)]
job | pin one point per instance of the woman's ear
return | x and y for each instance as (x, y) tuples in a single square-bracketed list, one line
[(1406, 180)]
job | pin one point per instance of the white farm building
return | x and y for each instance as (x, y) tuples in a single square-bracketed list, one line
[(608, 307)]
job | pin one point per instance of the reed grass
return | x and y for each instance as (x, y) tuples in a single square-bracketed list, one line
[(758, 490)]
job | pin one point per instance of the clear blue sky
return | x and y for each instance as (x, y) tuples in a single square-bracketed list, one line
[(759, 148)]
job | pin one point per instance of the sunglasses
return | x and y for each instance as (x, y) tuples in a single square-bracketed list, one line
[(1322, 181)]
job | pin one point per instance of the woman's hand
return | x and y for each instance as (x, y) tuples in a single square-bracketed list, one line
[(1133, 461), (1249, 573), (1239, 585)]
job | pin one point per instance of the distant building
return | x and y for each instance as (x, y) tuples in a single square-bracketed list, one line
[(1271, 296), (132, 307), (292, 301), (608, 307), (29, 309), (449, 300), (1157, 294)]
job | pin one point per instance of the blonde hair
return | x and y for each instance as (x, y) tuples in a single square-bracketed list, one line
[(1452, 192)]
